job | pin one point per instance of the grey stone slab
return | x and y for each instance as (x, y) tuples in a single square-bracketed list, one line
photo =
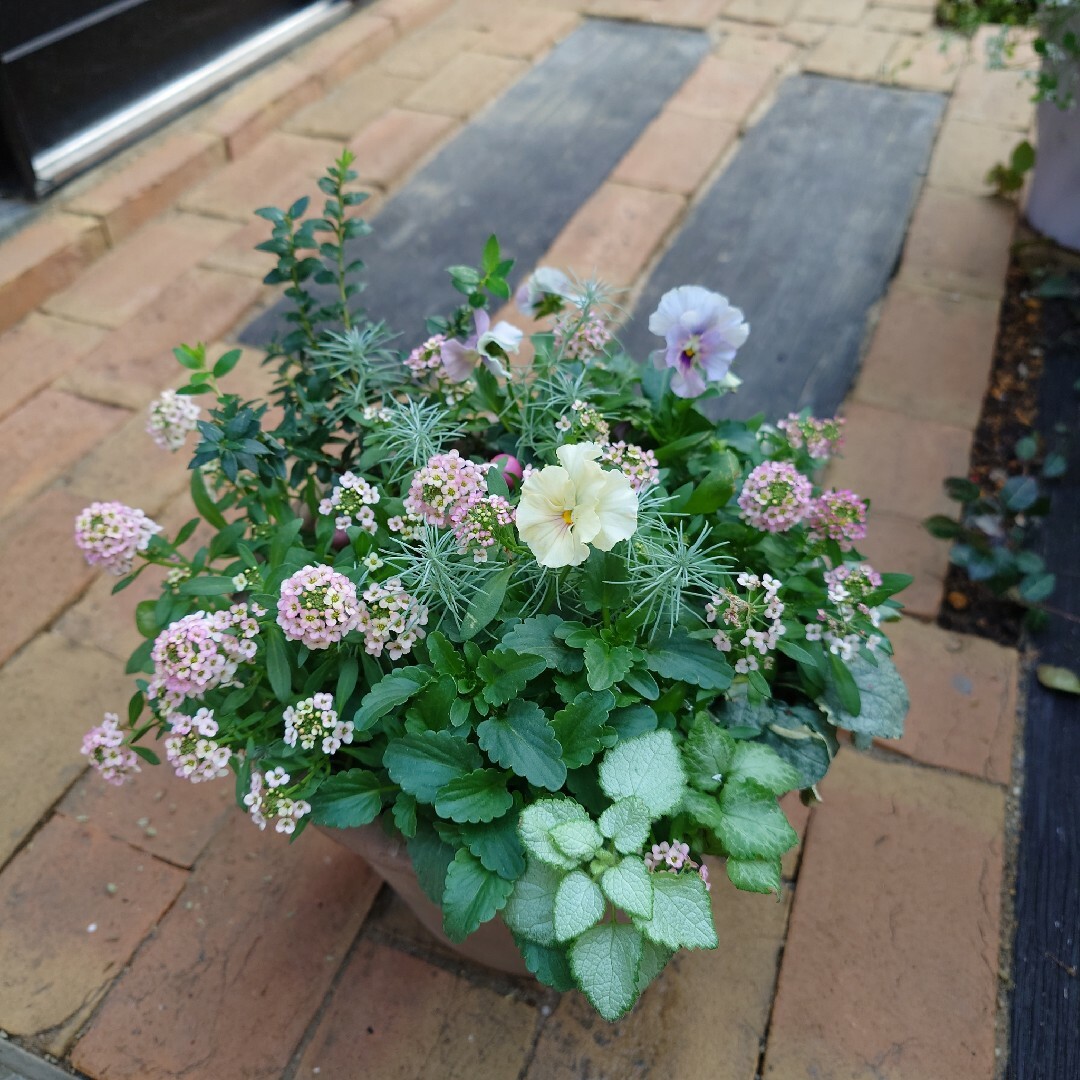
[(520, 169), (802, 231), (19, 1064)]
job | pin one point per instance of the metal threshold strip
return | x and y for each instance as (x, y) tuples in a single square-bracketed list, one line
[(63, 160)]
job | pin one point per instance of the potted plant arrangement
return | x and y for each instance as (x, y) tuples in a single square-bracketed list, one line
[(542, 624), (1052, 205)]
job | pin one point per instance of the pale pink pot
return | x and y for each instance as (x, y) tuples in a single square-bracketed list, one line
[(492, 944)]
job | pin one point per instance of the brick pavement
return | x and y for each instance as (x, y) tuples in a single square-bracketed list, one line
[(119, 951)]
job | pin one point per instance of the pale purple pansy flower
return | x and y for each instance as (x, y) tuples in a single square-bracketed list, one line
[(487, 345), (543, 292), (703, 332)]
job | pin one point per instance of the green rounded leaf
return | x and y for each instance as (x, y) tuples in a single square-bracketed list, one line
[(755, 875), (752, 825), (536, 823), (579, 904), (472, 895), (421, 764), (606, 961), (578, 840), (479, 795), (523, 741), (626, 823), (530, 911), (348, 799), (628, 885), (648, 767), (682, 914)]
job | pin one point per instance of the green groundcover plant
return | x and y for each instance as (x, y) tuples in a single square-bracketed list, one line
[(541, 616)]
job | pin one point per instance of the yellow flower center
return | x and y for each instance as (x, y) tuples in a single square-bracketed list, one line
[(568, 517)]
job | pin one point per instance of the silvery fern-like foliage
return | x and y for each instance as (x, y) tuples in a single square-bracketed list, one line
[(671, 575), (412, 433), (359, 362)]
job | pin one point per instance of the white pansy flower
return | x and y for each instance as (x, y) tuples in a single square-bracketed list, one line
[(564, 508)]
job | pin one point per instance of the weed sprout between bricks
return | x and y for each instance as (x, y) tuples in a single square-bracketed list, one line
[(540, 616)]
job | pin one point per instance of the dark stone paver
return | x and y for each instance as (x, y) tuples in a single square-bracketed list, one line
[(802, 231), (520, 169)]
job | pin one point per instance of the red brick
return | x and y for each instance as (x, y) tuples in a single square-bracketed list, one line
[(347, 110), (899, 462), (898, 21), (891, 962), (43, 258), (37, 351), (849, 52), (522, 32), (407, 15), (401, 1017), (693, 13), (700, 998), (132, 469), (155, 811), (769, 12), (132, 275), (421, 54), (44, 437), (959, 243), (394, 143), (747, 49), (46, 570), (998, 98), (963, 700), (966, 152), (675, 152), (62, 947), (723, 89), (54, 691), (237, 255), (148, 185), (900, 545), (831, 11), (343, 48), (613, 235), (260, 104), (928, 339), (467, 82), (240, 964), (933, 62), (134, 363), (279, 170)]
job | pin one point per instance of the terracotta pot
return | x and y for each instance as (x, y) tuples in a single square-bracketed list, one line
[(492, 945)]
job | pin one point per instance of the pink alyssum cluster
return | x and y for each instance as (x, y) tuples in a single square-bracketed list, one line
[(267, 801), (317, 606), (171, 418), (103, 744), (391, 619), (202, 651), (481, 523), (639, 466), (757, 618), (426, 365), (580, 337), (111, 534), (584, 424), (446, 481), (192, 749), (350, 501), (851, 584), (821, 438), (839, 516), (673, 857), (314, 719), (776, 497)]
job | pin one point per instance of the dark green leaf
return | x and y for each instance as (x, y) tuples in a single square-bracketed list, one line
[(486, 603), (497, 845), (690, 660), (506, 674), (277, 664), (581, 727), (431, 858), (606, 664), (348, 799), (480, 795), (421, 764), (473, 895), (209, 585), (537, 636), (390, 692), (524, 742)]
